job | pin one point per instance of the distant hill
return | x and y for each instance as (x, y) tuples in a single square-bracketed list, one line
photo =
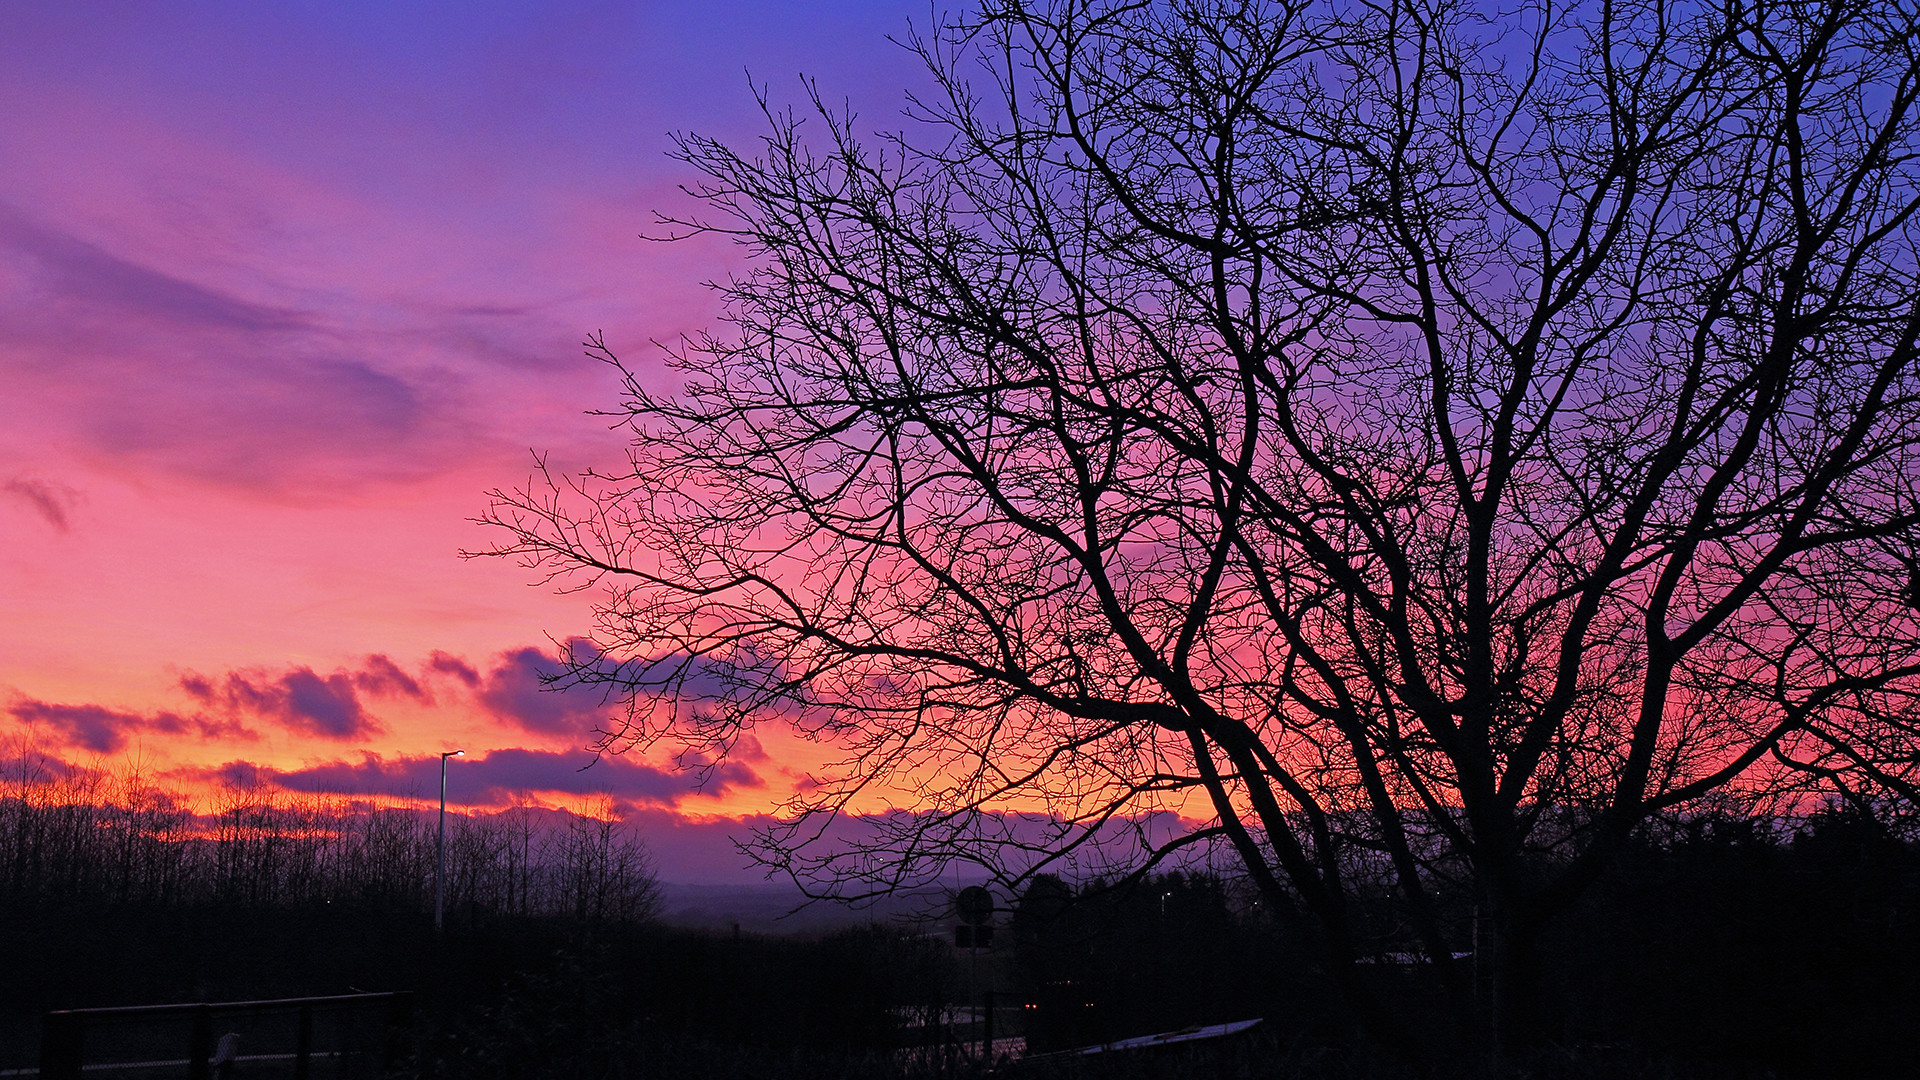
[(779, 909)]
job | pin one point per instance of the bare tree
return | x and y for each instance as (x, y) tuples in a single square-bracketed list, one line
[(603, 871), (1425, 439)]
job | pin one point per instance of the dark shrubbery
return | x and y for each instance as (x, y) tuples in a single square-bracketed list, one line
[(114, 891), (1747, 941), (507, 996), (1115, 961), (658, 1002), (1720, 945)]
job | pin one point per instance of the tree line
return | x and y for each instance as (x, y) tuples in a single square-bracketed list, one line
[(120, 837)]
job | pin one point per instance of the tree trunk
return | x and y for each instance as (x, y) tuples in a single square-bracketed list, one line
[(1510, 1003)]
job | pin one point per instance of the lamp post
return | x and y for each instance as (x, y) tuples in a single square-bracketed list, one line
[(440, 845)]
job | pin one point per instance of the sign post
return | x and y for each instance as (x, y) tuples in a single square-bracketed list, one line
[(974, 905)]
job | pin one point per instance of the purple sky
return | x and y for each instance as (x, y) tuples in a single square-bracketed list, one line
[(283, 290)]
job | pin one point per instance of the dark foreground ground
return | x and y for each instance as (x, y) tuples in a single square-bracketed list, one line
[(1722, 956)]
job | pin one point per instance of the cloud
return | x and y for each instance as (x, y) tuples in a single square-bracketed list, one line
[(449, 664), (237, 774), (33, 766), (313, 420), (54, 502), (329, 706), (299, 700), (105, 731), (492, 778), (84, 273), (519, 689), (537, 691), (152, 368), (382, 676)]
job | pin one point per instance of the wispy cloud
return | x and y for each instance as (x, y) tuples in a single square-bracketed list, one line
[(73, 272), (53, 502), (153, 369)]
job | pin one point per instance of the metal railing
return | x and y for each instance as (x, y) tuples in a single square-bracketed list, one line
[(342, 1037)]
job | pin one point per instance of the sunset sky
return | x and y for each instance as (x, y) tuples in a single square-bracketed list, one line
[(284, 289)]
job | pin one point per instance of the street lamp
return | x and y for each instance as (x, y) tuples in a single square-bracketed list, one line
[(440, 845)]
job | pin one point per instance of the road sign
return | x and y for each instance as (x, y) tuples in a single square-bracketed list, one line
[(973, 937), (974, 905)]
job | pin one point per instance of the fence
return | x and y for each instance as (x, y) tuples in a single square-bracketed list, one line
[(345, 1037)]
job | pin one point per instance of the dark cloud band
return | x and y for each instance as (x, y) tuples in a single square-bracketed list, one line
[(492, 779), (107, 731)]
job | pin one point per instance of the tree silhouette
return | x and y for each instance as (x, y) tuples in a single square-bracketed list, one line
[(1428, 441), (84, 835)]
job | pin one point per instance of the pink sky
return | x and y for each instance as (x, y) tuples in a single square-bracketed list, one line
[(283, 291)]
